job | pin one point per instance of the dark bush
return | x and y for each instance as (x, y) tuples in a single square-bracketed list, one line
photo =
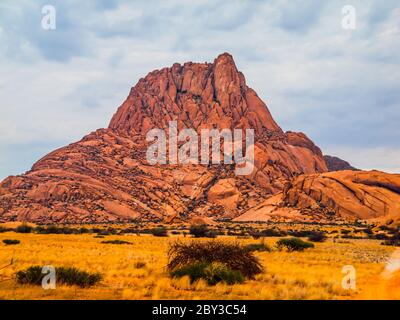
[(198, 231), (23, 228), (391, 242), (140, 265), (130, 230), (64, 275), (32, 275), (368, 231), (233, 255), (211, 272), (74, 276), (106, 232), (293, 244), (381, 236), (56, 230), (257, 247), (300, 233), (116, 242), (271, 233), (3, 229), (317, 237), (11, 241), (159, 232)]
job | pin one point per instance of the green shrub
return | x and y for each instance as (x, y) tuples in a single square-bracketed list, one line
[(211, 272), (217, 272), (11, 241), (233, 255), (195, 271), (293, 244), (64, 275), (116, 242), (74, 276), (159, 232), (32, 275), (257, 247), (24, 228), (55, 230)]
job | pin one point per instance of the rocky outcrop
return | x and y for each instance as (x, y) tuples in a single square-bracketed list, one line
[(365, 195), (337, 164), (106, 177)]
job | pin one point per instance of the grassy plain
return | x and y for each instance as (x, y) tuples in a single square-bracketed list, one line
[(137, 270)]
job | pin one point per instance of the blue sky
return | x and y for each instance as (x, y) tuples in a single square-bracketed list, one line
[(341, 87)]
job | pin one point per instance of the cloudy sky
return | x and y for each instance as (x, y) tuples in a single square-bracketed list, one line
[(341, 87)]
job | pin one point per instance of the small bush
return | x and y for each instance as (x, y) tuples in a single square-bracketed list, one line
[(293, 244), (116, 242), (233, 255), (257, 247), (32, 275), (3, 229), (198, 231), (105, 232), (195, 271), (211, 272), (11, 241), (55, 230), (23, 228), (317, 237), (159, 232), (139, 264), (272, 233), (64, 275)]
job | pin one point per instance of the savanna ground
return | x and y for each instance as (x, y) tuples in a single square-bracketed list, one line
[(138, 270)]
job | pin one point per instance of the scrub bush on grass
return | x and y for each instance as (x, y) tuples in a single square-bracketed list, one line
[(64, 275), (195, 254), (293, 244)]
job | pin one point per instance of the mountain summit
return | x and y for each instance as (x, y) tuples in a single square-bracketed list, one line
[(197, 95)]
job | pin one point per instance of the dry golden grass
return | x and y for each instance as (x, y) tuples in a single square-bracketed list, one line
[(312, 274)]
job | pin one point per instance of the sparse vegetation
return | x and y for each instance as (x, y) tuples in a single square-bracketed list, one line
[(116, 242), (262, 246), (211, 272), (3, 229), (24, 228), (202, 231), (317, 237), (139, 264), (293, 244), (233, 255), (64, 275), (139, 269), (11, 241), (159, 232)]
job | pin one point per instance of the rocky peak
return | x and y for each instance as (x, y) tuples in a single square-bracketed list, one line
[(196, 95)]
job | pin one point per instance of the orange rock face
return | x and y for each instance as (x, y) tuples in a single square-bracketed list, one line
[(106, 177), (365, 195)]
